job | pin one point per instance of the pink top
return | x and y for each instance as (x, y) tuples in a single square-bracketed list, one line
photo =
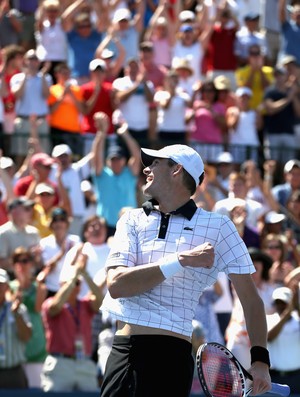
[(205, 129), (61, 330)]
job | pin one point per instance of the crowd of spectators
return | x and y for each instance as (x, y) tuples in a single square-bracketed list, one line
[(86, 84)]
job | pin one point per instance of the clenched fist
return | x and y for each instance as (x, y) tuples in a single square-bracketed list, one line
[(201, 256)]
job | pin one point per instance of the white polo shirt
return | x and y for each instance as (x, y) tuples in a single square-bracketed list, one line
[(145, 235)]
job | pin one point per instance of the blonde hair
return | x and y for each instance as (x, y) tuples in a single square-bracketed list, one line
[(50, 4)]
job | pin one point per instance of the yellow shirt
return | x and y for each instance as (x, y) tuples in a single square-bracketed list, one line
[(242, 76), (41, 220)]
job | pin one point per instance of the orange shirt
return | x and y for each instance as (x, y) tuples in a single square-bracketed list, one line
[(66, 117)]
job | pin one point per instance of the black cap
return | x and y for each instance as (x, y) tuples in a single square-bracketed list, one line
[(251, 16), (61, 212), (115, 151), (21, 200), (258, 255)]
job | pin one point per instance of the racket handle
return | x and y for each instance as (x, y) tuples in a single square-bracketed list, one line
[(282, 390)]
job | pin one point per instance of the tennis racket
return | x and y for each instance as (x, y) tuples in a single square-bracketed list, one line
[(221, 374)]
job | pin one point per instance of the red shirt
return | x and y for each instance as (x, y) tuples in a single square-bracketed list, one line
[(220, 55), (61, 330), (103, 104)]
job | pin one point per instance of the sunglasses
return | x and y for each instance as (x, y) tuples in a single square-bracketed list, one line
[(45, 194), (254, 53), (274, 247), (23, 260), (60, 219), (84, 26)]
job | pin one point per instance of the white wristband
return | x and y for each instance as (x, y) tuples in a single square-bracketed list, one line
[(170, 265)]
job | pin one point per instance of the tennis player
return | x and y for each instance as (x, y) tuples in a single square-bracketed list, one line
[(163, 256)]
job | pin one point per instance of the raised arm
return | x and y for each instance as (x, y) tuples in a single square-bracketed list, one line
[(98, 146), (134, 162)]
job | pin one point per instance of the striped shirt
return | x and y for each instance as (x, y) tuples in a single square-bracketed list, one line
[(12, 349), (145, 235)]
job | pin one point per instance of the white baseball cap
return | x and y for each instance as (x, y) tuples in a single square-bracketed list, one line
[(225, 157), (274, 217), (181, 154), (243, 91), (283, 294), (4, 278), (61, 149)]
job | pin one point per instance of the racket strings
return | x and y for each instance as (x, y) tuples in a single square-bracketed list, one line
[(221, 375)]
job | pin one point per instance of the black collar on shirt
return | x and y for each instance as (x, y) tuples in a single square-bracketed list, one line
[(187, 210)]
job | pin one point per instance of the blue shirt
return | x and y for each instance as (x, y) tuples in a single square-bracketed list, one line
[(291, 39), (114, 192), (82, 51)]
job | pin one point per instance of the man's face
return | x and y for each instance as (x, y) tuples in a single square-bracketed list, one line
[(84, 28), (158, 174)]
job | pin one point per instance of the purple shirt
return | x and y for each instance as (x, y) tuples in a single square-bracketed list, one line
[(26, 6)]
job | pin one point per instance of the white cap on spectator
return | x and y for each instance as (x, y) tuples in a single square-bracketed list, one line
[(243, 91), (86, 186), (190, 160), (61, 149), (290, 165), (120, 14), (225, 157), (274, 217), (6, 162), (283, 294), (44, 188), (4, 279), (97, 64), (187, 15)]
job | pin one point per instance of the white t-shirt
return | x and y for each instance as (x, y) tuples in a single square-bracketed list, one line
[(50, 248), (97, 255), (285, 348), (172, 119), (193, 53), (52, 44), (245, 132), (136, 108)]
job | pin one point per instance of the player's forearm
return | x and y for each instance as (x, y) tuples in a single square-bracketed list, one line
[(124, 282)]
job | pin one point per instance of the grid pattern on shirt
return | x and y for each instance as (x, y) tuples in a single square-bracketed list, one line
[(171, 304), (12, 348)]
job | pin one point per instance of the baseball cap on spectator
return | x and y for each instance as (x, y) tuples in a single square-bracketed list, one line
[(41, 159), (187, 16), (243, 91), (121, 14), (97, 64), (59, 213), (283, 294), (222, 83), (225, 157), (20, 201), (6, 162), (61, 149), (186, 28), (182, 63), (274, 217), (251, 16), (146, 46), (115, 151), (279, 69), (190, 160), (86, 186), (44, 188), (107, 54), (287, 59), (4, 276), (290, 165)]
